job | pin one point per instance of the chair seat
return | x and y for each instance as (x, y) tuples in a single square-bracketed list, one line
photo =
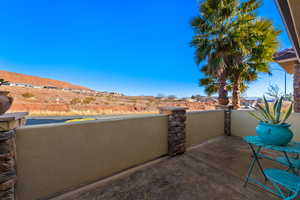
[(283, 160), (284, 178)]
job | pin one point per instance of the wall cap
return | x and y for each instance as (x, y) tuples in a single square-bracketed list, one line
[(172, 108), (204, 111), (225, 107), (12, 116), (110, 119)]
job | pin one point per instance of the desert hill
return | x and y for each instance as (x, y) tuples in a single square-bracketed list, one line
[(38, 81), (79, 100)]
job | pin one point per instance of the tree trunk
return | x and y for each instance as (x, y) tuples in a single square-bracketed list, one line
[(223, 94), (236, 92)]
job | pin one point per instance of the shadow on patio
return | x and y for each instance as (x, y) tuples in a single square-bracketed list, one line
[(213, 170)]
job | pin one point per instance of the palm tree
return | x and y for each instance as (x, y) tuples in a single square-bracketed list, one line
[(211, 41), (254, 43), (211, 85), (234, 42)]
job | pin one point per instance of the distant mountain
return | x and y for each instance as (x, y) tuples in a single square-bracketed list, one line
[(38, 81)]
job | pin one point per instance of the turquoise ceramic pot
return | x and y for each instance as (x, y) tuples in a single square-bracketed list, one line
[(274, 134)]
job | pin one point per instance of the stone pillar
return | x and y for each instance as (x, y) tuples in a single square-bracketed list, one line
[(176, 129), (227, 118), (297, 88), (8, 176)]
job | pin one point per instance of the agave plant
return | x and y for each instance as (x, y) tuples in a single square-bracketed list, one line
[(272, 114)]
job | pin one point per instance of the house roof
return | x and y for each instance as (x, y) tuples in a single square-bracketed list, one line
[(285, 54), (289, 10), (286, 58)]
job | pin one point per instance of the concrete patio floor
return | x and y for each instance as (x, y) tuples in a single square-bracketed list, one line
[(214, 170)]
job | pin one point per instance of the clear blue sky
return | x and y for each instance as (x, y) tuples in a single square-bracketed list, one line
[(136, 47)]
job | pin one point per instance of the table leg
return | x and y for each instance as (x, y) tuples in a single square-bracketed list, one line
[(258, 162), (254, 159)]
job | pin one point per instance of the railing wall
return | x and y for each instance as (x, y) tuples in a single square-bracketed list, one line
[(204, 125), (243, 124), (56, 158)]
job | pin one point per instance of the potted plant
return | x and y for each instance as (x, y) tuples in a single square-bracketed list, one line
[(5, 100), (272, 127)]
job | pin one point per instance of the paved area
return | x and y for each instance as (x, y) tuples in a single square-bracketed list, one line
[(212, 171)]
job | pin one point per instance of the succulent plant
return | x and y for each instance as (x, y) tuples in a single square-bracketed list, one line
[(272, 114)]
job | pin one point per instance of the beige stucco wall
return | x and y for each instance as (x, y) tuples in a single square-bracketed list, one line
[(204, 125), (55, 158), (244, 124)]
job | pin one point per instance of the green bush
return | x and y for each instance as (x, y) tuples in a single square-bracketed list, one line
[(75, 101), (28, 95), (88, 100)]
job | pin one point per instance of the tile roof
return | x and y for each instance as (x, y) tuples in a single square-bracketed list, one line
[(285, 54)]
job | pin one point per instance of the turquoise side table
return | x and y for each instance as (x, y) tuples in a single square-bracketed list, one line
[(256, 145)]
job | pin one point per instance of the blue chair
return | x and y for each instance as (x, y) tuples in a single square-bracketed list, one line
[(294, 161), (289, 181)]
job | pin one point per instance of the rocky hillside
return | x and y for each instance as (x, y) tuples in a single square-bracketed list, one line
[(38, 81), (79, 100)]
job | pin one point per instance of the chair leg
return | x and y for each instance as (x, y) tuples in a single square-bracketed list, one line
[(292, 196), (289, 162), (276, 186)]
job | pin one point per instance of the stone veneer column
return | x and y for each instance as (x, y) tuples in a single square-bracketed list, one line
[(8, 176), (227, 118), (297, 88), (176, 129)]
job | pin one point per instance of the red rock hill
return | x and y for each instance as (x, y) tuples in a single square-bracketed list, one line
[(34, 80)]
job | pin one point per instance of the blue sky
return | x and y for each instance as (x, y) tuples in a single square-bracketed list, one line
[(136, 47)]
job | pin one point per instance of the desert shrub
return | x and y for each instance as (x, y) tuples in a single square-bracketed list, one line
[(3, 82), (28, 95), (88, 100), (75, 101)]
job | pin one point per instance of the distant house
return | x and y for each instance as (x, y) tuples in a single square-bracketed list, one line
[(115, 94), (191, 100), (21, 84), (37, 86), (50, 87), (7, 83), (66, 89), (29, 85)]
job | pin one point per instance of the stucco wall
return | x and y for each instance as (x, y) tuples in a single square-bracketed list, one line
[(54, 158), (244, 124), (204, 125)]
